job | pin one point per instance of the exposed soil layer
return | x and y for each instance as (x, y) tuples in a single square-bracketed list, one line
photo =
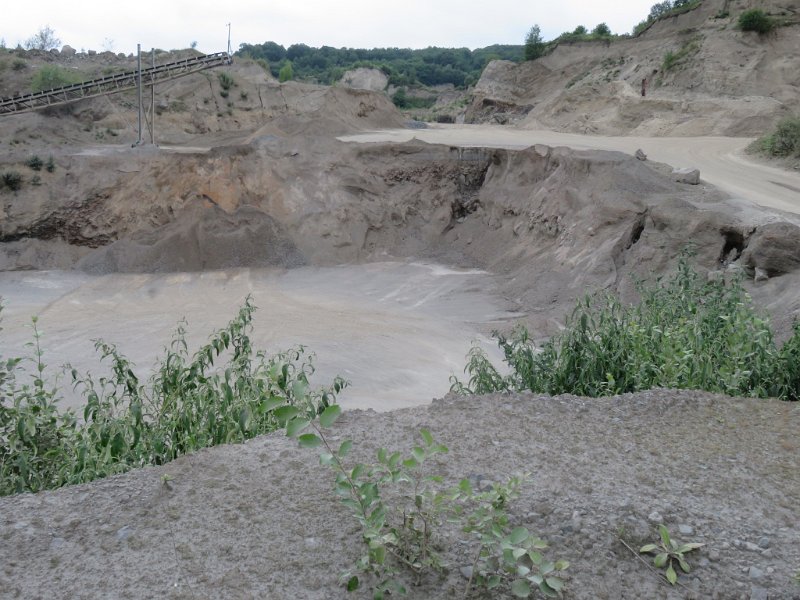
[(261, 520)]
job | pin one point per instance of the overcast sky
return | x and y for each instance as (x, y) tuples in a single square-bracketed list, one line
[(170, 24)]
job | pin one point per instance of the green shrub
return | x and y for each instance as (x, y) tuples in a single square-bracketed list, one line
[(225, 81), (286, 73), (50, 76), (19, 64), (784, 141), (756, 20), (187, 404), (685, 333), (12, 180), (35, 163)]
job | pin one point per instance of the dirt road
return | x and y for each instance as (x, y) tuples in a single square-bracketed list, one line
[(721, 160)]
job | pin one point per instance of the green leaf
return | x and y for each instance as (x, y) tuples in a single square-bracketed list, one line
[(547, 590), (672, 576), (285, 413), (329, 415), (382, 455), (689, 547), (555, 583), (664, 535), (562, 565), (660, 560), (418, 454), (272, 403), (493, 581), (426, 436), (299, 389), (521, 588), (326, 459), (309, 440), (352, 584), (684, 565), (546, 568), (518, 535), (295, 426), (344, 448), (648, 548)]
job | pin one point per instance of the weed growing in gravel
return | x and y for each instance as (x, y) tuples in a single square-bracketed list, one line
[(506, 556), (669, 551), (189, 403), (685, 333), (402, 535)]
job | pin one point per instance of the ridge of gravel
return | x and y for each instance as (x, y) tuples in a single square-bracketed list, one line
[(259, 520)]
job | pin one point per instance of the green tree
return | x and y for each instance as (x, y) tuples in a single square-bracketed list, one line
[(580, 30), (286, 73), (602, 30), (534, 45)]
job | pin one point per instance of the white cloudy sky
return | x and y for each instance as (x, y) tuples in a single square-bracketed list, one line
[(168, 24)]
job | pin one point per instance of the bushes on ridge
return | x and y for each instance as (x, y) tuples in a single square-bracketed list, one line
[(189, 403), (685, 333)]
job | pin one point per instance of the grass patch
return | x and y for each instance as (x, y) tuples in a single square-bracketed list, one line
[(187, 404), (685, 333)]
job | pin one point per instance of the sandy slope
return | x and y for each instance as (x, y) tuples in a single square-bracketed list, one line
[(260, 520)]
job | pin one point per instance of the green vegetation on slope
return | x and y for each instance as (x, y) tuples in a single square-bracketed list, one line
[(685, 333), (783, 142), (430, 66), (189, 403)]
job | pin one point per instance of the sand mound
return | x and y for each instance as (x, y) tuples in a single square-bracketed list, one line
[(261, 520), (201, 237)]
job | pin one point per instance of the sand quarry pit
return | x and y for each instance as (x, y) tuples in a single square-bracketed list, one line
[(388, 259)]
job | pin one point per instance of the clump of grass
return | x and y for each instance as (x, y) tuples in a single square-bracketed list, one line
[(685, 333), (189, 403), (12, 180)]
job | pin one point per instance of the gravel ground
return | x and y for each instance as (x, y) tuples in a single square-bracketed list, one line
[(259, 520)]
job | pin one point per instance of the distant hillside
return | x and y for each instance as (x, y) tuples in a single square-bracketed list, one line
[(701, 74), (460, 67)]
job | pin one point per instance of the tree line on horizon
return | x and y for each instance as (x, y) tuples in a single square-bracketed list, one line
[(431, 66)]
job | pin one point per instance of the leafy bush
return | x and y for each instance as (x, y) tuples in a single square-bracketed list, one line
[(12, 180), (784, 141), (402, 535), (756, 20), (35, 163), (685, 333), (602, 30), (50, 165), (52, 76), (225, 80), (286, 73), (187, 404)]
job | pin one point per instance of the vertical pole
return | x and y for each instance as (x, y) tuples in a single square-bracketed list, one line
[(230, 53), (139, 86), (153, 100)]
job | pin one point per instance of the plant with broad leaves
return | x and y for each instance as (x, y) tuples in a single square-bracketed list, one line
[(397, 536), (506, 556), (668, 551)]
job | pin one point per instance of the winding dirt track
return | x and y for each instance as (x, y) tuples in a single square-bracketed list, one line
[(721, 160)]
